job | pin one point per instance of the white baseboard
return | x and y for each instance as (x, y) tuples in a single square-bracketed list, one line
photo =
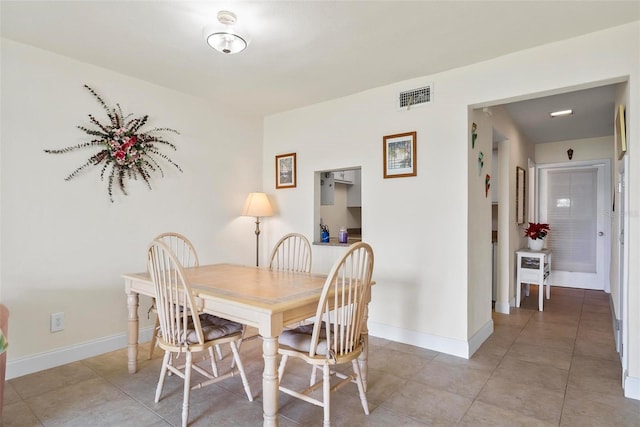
[(503, 307), (50, 359), (479, 337), (450, 346), (632, 387)]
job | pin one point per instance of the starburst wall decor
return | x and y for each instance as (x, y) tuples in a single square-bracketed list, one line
[(126, 151)]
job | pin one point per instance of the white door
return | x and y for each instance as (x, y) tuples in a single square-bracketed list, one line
[(575, 201)]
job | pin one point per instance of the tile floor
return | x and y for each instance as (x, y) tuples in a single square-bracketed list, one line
[(555, 368)]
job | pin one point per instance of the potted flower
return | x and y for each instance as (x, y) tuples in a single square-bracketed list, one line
[(536, 232)]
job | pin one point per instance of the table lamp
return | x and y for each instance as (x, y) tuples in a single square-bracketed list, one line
[(257, 204)]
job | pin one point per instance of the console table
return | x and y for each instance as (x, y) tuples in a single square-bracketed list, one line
[(533, 267)]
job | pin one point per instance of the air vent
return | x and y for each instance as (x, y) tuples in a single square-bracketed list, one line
[(414, 97)]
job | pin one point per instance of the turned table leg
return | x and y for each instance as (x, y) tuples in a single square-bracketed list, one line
[(363, 359), (132, 347), (270, 389)]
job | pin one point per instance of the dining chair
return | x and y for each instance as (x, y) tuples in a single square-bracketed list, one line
[(184, 330), (186, 254), (291, 253), (335, 338)]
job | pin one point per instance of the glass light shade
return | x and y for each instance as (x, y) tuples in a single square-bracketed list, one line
[(226, 42), (257, 204)]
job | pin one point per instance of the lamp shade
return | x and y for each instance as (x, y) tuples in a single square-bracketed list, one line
[(257, 204)]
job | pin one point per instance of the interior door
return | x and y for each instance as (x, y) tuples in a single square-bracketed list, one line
[(575, 202)]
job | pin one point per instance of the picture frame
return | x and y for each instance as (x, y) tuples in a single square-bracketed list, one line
[(286, 174), (620, 133), (521, 190), (399, 153)]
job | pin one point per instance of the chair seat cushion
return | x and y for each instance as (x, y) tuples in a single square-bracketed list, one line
[(213, 327), (300, 339)]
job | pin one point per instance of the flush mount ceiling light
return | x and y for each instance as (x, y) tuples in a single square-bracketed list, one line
[(561, 113), (226, 41)]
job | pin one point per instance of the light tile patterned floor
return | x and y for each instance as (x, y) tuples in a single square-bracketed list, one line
[(555, 368)]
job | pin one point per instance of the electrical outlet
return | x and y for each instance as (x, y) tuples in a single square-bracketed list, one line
[(57, 322)]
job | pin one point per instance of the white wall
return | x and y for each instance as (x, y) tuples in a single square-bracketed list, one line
[(418, 225), (395, 211), (514, 151), (479, 250), (583, 149), (64, 244)]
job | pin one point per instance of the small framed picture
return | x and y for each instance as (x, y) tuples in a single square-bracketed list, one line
[(286, 170), (521, 193), (620, 132), (399, 155)]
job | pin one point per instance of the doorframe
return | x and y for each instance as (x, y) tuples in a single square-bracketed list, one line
[(607, 195), (623, 272)]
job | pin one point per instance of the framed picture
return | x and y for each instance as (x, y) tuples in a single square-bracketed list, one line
[(399, 155), (621, 137), (521, 178), (286, 170)]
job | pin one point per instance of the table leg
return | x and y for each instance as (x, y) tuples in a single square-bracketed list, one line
[(363, 359), (548, 290), (132, 347), (270, 389), (540, 294)]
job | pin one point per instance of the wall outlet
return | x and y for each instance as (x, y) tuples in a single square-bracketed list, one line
[(57, 322)]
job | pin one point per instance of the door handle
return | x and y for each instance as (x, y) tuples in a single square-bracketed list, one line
[(600, 233)]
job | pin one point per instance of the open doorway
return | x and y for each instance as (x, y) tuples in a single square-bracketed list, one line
[(534, 137), (556, 143)]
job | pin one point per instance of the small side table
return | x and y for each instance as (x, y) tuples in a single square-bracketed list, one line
[(533, 267)]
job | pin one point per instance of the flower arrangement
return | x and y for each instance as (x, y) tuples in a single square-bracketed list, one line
[(125, 150), (536, 230)]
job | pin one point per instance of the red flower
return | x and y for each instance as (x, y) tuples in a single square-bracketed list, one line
[(120, 155), (536, 230), (130, 142)]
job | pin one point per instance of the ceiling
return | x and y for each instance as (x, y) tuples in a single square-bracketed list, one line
[(593, 115), (304, 52)]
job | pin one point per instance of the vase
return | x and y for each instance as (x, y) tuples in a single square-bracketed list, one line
[(536, 244)]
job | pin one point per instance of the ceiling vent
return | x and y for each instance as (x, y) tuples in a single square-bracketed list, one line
[(411, 98)]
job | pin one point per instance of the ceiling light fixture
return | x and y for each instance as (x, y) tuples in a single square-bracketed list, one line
[(561, 113), (226, 41)]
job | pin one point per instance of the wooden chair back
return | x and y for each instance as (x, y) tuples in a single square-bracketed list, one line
[(343, 302), (182, 247), (175, 302), (291, 253)]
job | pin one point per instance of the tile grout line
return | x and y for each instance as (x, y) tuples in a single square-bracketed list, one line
[(473, 401), (573, 351)]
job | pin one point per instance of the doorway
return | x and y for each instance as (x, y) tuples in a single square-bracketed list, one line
[(573, 199)]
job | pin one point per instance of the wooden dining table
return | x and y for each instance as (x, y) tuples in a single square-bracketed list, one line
[(258, 297)]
